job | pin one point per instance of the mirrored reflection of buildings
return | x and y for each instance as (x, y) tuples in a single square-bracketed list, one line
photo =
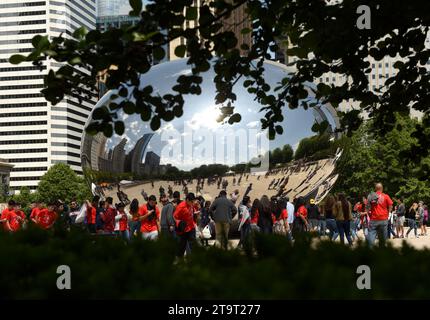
[(138, 161)]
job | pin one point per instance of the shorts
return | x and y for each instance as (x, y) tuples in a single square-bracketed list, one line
[(400, 221), (153, 235)]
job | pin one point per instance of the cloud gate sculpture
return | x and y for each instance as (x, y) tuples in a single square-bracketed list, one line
[(197, 137)]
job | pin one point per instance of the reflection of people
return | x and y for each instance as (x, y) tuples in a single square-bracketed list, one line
[(144, 195), (248, 190)]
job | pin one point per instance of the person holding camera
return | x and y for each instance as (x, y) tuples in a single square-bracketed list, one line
[(149, 215), (122, 219)]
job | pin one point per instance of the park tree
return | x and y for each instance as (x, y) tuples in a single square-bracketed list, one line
[(323, 36), (276, 156), (369, 158), (60, 182), (309, 147), (3, 192), (25, 197)]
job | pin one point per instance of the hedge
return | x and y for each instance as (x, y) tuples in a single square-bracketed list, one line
[(275, 269)]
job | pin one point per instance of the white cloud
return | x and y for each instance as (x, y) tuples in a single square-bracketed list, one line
[(253, 124)]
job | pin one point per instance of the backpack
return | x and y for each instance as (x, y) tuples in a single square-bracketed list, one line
[(279, 228), (372, 199)]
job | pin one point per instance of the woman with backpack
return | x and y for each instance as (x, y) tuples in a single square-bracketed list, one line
[(280, 219), (300, 223), (342, 211)]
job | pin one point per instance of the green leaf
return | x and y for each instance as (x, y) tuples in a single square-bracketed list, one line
[(245, 30), (119, 128), (235, 118), (180, 51), (158, 53), (129, 107), (80, 33), (191, 13), (136, 6), (17, 59), (155, 123), (75, 60)]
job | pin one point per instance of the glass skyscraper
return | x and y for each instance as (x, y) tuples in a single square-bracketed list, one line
[(112, 7), (34, 135)]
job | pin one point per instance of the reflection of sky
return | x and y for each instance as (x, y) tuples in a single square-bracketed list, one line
[(199, 121)]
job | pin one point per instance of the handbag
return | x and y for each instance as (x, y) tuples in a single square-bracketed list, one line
[(206, 232), (82, 214)]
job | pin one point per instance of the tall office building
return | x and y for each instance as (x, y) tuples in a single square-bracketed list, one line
[(237, 21), (380, 71), (34, 134), (113, 8)]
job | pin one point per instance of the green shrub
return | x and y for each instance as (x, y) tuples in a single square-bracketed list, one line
[(108, 268)]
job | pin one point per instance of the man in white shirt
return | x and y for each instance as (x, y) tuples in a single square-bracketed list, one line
[(290, 211)]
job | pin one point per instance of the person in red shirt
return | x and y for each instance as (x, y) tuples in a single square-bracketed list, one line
[(122, 219), (149, 215), (36, 207), (22, 218), (300, 223), (108, 216), (254, 215), (92, 213), (9, 218), (185, 218), (47, 217), (361, 208), (283, 214), (279, 217), (380, 206)]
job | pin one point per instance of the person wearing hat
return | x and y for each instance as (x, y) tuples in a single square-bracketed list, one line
[(313, 214), (185, 217)]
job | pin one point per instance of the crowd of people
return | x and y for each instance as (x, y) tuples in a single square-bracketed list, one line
[(186, 217)]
